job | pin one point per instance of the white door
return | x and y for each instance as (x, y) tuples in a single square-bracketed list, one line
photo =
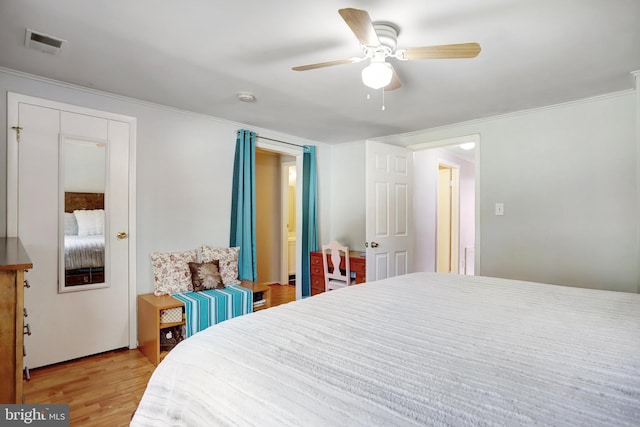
[(69, 322), (389, 228)]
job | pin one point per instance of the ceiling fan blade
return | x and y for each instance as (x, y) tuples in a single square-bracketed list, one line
[(361, 25), (395, 81), (325, 64), (445, 51)]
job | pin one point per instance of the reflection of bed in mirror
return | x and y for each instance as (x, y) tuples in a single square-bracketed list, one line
[(83, 238)]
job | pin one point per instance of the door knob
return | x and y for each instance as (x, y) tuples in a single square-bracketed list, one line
[(121, 235), (374, 244)]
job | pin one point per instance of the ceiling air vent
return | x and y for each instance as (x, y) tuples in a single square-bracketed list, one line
[(43, 42)]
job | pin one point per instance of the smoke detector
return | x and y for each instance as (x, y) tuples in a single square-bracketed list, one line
[(43, 42), (246, 97)]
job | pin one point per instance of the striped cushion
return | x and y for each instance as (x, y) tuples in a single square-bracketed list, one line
[(206, 308)]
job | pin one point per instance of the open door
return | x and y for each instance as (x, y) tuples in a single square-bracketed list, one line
[(389, 222)]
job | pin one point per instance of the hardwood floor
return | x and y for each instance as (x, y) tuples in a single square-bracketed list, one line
[(282, 294), (104, 390)]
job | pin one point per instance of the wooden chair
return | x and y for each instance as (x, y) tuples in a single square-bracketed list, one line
[(335, 278)]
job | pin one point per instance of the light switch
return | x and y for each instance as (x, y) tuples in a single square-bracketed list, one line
[(499, 209)]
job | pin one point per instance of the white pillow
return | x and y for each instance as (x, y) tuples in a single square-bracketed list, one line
[(99, 213), (90, 222), (70, 224)]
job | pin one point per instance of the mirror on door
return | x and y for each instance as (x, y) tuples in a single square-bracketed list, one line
[(83, 184)]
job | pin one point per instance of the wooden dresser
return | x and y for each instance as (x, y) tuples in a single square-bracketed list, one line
[(13, 263), (357, 264)]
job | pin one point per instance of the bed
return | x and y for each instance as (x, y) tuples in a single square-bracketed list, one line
[(420, 349)]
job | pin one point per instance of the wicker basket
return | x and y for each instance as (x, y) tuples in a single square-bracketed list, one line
[(171, 315)]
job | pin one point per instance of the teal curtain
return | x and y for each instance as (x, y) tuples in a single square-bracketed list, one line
[(309, 214), (243, 205)]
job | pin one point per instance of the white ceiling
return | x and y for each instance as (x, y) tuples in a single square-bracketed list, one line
[(197, 55)]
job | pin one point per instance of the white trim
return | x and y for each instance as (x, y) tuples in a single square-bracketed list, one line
[(284, 220), (291, 150), (299, 167), (636, 77), (133, 255), (122, 98), (397, 138), (12, 167), (288, 150)]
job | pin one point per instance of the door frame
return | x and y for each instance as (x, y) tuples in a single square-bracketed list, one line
[(284, 219), (13, 99), (297, 152), (477, 169)]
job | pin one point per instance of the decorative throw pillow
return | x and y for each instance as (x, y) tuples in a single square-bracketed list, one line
[(70, 224), (227, 261), (205, 275), (171, 271)]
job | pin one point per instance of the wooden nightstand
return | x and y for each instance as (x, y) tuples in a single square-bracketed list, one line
[(261, 294), (150, 307)]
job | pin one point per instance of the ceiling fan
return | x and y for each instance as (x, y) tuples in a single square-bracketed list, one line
[(378, 41)]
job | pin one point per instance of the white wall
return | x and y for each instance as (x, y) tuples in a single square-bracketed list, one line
[(425, 190), (184, 169), (567, 177), (348, 195)]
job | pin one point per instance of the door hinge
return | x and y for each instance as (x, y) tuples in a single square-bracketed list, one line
[(17, 129)]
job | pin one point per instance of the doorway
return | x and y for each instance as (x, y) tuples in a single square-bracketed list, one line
[(94, 312), (278, 209), (435, 239)]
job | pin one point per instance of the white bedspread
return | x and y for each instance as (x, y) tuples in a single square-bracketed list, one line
[(421, 349), (83, 252)]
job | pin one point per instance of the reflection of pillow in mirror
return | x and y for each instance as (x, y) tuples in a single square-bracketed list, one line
[(88, 222), (99, 221), (70, 224)]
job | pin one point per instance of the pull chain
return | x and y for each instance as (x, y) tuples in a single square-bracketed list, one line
[(383, 99)]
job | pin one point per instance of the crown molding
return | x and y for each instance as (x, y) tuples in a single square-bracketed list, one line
[(415, 134), (148, 104)]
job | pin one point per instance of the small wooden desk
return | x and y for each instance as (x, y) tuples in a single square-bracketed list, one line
[(357, 263)]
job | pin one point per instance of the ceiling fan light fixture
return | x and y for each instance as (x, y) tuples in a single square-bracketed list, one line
[(377, 75)]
